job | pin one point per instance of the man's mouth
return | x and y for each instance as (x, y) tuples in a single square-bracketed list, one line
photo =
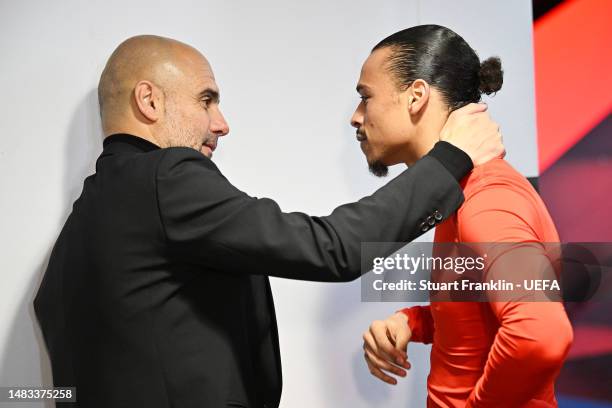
[(361, 137), (208, 148), (211, 145)]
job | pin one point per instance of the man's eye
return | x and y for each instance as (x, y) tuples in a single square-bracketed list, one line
[(206, 102), (364, 98)]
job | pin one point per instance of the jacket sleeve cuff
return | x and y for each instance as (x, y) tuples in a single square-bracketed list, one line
[(455, 160)]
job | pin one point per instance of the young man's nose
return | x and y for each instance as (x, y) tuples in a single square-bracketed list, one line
[(357, 118)]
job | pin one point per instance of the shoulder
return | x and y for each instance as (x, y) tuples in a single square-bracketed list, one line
[(498, 184), (185, 171), (500, 205), (182, 158), (496, 173)]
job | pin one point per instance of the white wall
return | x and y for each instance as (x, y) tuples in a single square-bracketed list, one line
[(287, 72)]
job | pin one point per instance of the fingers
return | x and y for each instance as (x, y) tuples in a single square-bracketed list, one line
[(472, 130), (399, 333), (376, 372), (501, 140), (381, 354), (378, 330), (482, 119), (471, 108), (381, 364), (370, 342), (487, 131), (402, 337)]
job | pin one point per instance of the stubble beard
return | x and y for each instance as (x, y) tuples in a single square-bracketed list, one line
[(179, 136)]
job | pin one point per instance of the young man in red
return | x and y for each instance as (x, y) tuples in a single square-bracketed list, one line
[(496, 354)]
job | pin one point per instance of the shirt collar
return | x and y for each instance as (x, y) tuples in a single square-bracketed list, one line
[(138, 142)]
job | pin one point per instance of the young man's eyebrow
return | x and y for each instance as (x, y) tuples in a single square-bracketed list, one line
[(361, 87)]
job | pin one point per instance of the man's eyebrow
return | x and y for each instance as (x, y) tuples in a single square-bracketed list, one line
[(209, 93), (361, 87)]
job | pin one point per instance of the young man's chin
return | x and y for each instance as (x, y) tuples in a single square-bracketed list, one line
[(378, 168)]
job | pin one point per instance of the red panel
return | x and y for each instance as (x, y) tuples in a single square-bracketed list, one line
[(573, 65), (590, 340)]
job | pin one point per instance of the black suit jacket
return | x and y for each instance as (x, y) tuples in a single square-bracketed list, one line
[(156, 294)]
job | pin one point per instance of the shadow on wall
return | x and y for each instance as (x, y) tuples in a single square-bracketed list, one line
[(25, 359), (20, 365)]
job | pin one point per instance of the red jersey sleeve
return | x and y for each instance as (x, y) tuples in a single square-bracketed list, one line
[(420, 323)]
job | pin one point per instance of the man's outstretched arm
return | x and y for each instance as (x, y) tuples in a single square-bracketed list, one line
[(212, 223)]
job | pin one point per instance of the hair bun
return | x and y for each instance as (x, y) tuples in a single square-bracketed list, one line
[(491, 75)]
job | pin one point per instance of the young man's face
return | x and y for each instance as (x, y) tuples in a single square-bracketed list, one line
[(382, 117)]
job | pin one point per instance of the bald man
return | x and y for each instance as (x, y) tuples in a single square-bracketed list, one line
[(156, 294)]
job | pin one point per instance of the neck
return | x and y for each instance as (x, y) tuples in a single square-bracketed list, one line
[(427, 134)]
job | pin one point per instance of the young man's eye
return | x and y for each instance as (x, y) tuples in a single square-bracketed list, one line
[(364, 98)]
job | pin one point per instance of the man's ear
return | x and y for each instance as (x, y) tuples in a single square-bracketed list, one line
[(149, 100), (418, 95)]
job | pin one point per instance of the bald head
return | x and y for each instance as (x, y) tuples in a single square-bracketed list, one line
[(161, 90), (162, 61)]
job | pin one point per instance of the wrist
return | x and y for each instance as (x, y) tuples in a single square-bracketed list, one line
[(456, 161), (401, 316)]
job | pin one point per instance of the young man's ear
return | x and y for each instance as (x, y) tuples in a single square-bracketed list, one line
[(418, 95), (149, 100)]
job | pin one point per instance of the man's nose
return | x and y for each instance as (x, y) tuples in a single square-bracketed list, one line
[(218, 125), (357, 118)]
